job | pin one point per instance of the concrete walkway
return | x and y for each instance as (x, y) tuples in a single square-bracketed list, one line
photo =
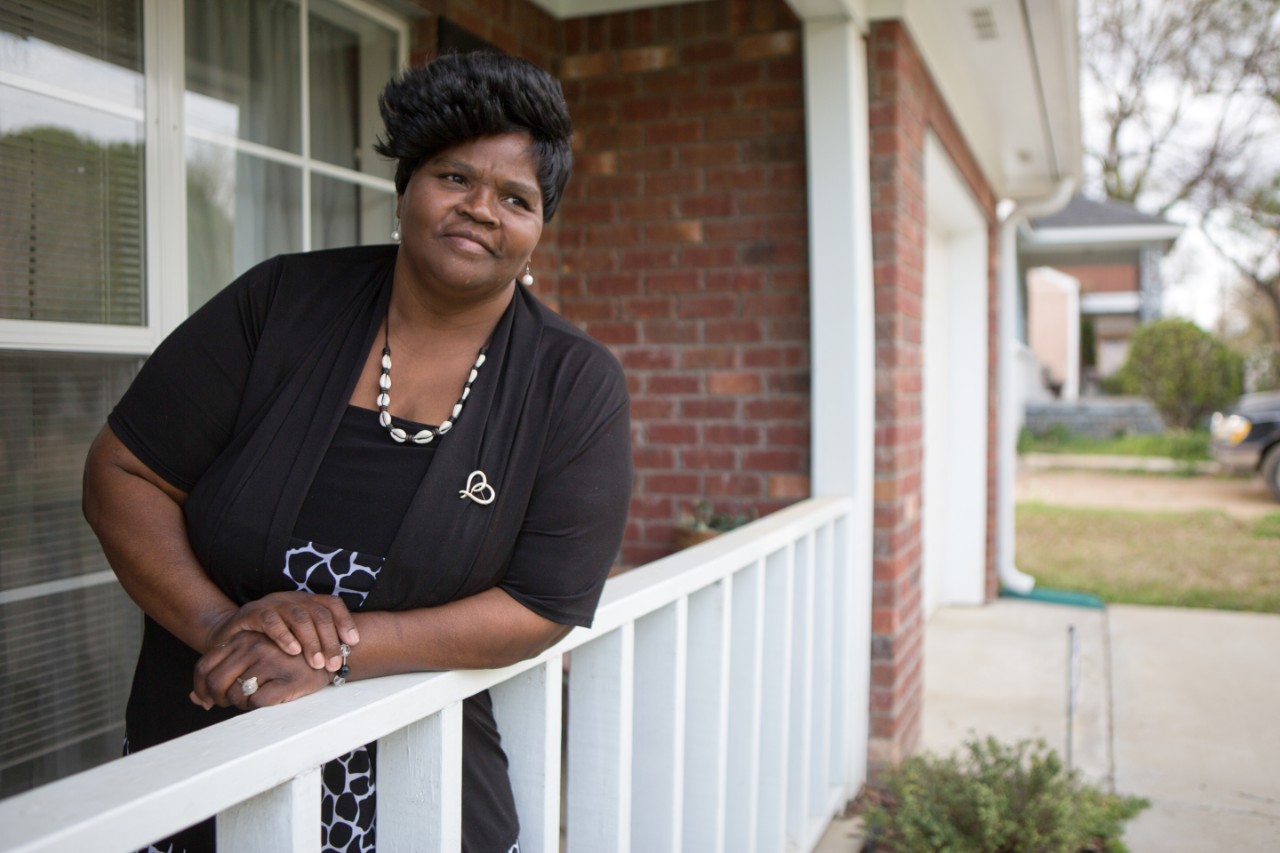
[(1179, 706)]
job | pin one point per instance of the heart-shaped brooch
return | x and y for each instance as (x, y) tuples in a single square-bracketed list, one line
[(478, 489)]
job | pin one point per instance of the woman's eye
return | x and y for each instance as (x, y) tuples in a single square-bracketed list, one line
[(519, 202), (454, 179)]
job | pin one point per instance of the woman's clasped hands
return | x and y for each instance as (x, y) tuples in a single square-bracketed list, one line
[(273, 650)]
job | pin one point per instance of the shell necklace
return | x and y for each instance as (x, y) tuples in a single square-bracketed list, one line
[(429, 434)]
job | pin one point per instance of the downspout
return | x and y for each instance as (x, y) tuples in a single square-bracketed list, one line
[(1010, 577)]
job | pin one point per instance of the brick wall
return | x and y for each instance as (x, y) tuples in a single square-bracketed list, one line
[(684, 244), (905, 106)]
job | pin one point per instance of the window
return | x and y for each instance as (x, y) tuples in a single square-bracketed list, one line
[(124, 201)]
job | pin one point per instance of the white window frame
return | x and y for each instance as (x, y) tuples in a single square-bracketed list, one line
[(164, 56)]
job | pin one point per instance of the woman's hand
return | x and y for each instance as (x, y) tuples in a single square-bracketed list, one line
[(221, 673), (299, 623)]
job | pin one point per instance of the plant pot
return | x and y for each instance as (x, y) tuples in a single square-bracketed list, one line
[(687, 538)]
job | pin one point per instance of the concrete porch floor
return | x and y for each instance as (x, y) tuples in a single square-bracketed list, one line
[(1179, 706)]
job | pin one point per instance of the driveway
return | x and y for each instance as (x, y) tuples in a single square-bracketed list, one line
[(1242, 497)]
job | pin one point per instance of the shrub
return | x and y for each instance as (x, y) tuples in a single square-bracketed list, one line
[(993, 798), (1183, 370)]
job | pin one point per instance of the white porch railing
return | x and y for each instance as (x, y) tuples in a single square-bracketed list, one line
[(718, 703)]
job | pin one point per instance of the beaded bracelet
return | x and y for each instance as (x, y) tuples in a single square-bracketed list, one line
[(340, 677)]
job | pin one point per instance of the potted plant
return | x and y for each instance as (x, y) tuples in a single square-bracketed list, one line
[(703, 522)]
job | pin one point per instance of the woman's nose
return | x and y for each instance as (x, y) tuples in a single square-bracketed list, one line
[(479, 205)]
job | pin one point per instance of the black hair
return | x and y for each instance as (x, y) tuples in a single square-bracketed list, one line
[(460, 97)]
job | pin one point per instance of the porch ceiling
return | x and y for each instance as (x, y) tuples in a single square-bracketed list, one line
[(1008, 70)]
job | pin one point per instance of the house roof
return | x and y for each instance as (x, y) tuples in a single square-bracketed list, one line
[(1082, 212), (1085, 225)]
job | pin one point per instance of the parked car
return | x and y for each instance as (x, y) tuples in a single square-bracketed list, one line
[(1247, 437)]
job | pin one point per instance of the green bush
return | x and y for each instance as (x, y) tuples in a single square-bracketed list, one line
[(1184, 371), (991, 799)]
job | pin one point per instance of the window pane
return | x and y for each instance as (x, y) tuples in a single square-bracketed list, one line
[(91, 46), (68, 653), (241, 210), (344, 214), (351, 58), (244, 74), (71, 212)]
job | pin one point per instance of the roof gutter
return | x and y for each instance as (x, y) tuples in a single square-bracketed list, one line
[(1010, 577)]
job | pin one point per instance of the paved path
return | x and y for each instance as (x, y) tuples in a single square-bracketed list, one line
[(1178, 706)]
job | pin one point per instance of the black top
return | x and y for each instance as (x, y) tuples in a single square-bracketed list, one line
[(243, 402)]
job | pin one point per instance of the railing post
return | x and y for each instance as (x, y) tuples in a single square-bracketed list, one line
[(600, 742), (745, 657), (658, 755), (528, 708), (775, 701), (824, 614), (420, 785), (706, 743), (285, 819), (802, 698)]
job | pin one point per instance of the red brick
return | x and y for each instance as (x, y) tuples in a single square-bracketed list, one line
[(709, 154), (786, 435), (646, 109), (646, 59), (769, 44), (772, 97), (651, 408), (734, 75), (707, 52), (588, 261), (709, 256), (596, 163), (648, 258), (582, 310), (676, 231), (702, 358), (675, 181), (720, 204), (707, 458), (700, 409), (613, 88), (614, 284), (647, 159), (773, 460), (734, 382), (649, 358), (673, 281), (671, 433), (649, 308), (741, 485), (582, 65), (741, 331), (735, 280), (735, 230), (613, 333), (652, 506), (737, 435), (674, 332), (706, 102), (776, 408), (672, 383), (653, 207), (783, 356), (789, 486), (671, 483), (735, 126), (673, 132), (676, 81), (713, 305)]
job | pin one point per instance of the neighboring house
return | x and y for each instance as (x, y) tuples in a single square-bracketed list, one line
[(1112, 251), (783, 221)]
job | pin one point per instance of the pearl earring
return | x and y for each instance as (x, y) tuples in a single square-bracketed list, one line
[(395, 232), (527, 278)]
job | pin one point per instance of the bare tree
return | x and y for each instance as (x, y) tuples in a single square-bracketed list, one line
[(1184, 97)]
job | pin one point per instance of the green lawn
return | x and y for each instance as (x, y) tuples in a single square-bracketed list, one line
[(1192, 446), (1202, 559)]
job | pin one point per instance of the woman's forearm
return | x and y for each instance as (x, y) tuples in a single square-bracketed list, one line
[(138, 519), (484, 631)]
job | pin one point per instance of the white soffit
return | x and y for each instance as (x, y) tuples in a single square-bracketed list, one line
[(563, 9), (1008, 71)]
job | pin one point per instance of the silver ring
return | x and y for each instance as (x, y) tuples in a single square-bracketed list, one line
[(249, 685)]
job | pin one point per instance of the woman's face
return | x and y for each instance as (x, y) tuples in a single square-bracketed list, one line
[(471, 216)]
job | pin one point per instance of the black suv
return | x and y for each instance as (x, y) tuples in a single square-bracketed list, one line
[(1247, 438)]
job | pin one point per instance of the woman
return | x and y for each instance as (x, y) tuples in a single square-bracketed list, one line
[(288, 518)]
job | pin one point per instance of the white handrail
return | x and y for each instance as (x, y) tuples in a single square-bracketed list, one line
[(718, 702)]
